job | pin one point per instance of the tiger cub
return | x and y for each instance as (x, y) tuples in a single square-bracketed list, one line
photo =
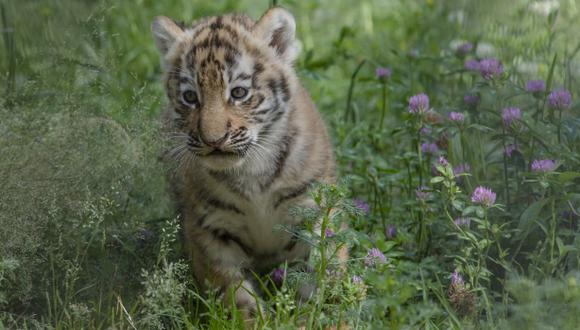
[(247, 142)]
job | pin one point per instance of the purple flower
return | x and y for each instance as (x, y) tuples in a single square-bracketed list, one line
[(457, 279), (471, 100), (509, 115), (456, 117), (383, 74), (536, 86), (422, 193), (418, 104), (462, 222), (463, 49), (278, 275), (461, 169), (362, 205), (391, 231), (329, 233), (560, 99), (490, 68), (425, 130), (543, 165), (443, 161), (471, 65), (357, 280), (483, 196), (510, 148), (429, 148), (375, 257)]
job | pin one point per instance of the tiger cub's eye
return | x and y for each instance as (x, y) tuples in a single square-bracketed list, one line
[(190, 97), (239, 93)]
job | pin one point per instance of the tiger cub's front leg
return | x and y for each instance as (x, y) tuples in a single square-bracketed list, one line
[(218, 262)]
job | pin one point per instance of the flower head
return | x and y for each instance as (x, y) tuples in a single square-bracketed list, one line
[(462, 222), (543, 165), (463, 49), (471, 100), (418, 104), (471, 65), (278, 275), (391, 231), (456, 117), (461, 298), (425, 130), (510, 148), (422, 193), (509, 115), (375, 257), (536, 86), (483, 196), (362, 205), (329, 233), (457, 279), (443, 161), (490, 68), (560, 99), (383, 74), (429, 148), (357, 280)]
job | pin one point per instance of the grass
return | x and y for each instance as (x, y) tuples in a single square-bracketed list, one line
[(90, 239)]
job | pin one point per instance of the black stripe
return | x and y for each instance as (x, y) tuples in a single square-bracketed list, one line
[(228, 182), (296, 192), (226, 237), (287, 142), (218, 204)]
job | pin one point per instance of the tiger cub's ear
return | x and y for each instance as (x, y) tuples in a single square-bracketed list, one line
[(165, 31), (278, 28)]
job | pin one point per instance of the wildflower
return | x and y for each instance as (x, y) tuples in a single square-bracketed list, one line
[(433, 117), (429, 148), (471, 100), (329, 233), (463, 49), (443, 161), (375, 257), (362, 205), (483, 196), (560, 99), (443, 141), (536, 86), (425, 130), (418, 104), (461, 169), (461, 298), (383, 74), (543, 165), (510, 148), (471, 65), (456, 117), (509, 115), (278, 275), (422, 193), (357, 280), (490, 68), (462, 222), (391, 231)]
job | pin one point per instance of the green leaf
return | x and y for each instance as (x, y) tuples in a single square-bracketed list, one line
[(568, 176), (437, 179), (528, 217)]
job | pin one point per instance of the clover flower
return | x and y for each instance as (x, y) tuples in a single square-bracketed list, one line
[(483, 196), (278, 275), (471, 100), (357, 280), (329, 233), (543, 165), (362, 205), (490, 68), (443, 161), (510, 148), (462, 222), (429, 148), (536, 86), (422, 193), (391, 231), (375, 257), (511, 114), (383, 74), (456, 117), (471, 65), (461, 298), (560, 99), (418, 104), (463, 49)]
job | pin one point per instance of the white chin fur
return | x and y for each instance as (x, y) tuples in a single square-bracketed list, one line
[(220, 163)]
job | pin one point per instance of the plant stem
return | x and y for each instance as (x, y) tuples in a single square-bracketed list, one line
[(384, 106), (348, 108)]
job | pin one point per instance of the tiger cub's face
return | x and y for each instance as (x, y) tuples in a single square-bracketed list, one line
[(229, 80)]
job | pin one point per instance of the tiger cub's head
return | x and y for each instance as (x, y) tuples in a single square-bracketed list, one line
[(229, 81)]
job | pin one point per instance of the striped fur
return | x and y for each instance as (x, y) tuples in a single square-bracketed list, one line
[(240, 164)]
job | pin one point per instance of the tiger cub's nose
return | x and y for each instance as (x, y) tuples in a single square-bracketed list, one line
[(212, 142)]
